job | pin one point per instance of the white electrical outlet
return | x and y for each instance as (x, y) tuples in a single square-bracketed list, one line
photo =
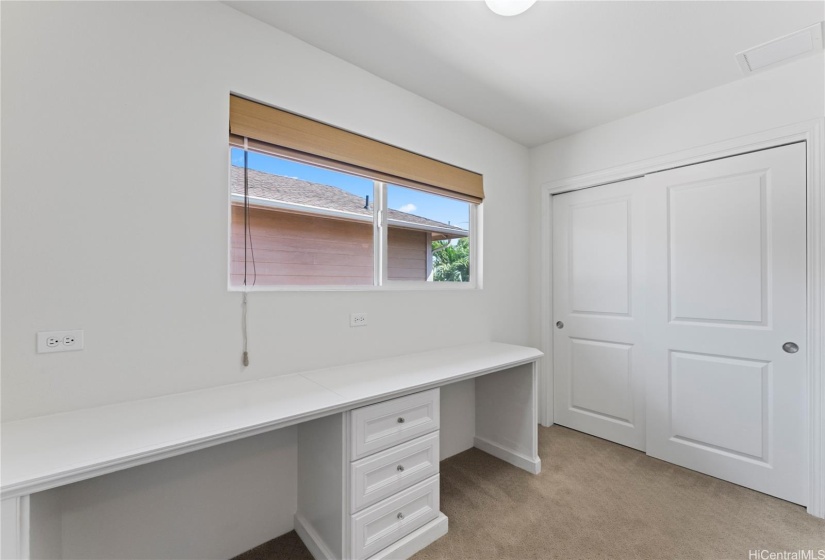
[(358, 320), (59, 341)]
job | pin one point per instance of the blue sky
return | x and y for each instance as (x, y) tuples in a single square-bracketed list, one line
[(430, 206)]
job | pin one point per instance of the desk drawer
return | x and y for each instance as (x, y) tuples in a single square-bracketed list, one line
[(379, 426), (383, 474), (381, 525)]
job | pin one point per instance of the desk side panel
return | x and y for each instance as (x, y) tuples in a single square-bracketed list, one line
[(322, 492), (506, 416), (15, 522)]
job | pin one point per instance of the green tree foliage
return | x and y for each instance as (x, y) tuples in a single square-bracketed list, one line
[(451, 263)]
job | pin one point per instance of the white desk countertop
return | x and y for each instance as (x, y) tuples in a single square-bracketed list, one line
[(49, 451)]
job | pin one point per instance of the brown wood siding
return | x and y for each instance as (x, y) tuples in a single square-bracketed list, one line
[(407, 254), (296, 249)]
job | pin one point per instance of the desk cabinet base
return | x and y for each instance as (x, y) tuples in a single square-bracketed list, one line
[(368, 484), (415, 541), (402, 548)]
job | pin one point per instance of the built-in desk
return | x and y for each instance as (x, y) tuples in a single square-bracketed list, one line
[(51, 451)]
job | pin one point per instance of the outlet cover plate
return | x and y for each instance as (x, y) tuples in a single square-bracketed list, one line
[(358, 320), (59, 341)]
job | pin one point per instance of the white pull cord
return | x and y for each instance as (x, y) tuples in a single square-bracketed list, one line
[(243, 330), (246, 236)]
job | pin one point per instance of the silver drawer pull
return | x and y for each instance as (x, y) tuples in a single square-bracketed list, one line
[(400, 515), (400, 420), (400, 468)]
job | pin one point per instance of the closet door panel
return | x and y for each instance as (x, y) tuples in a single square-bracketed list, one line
[(727, 294), (598, 266)]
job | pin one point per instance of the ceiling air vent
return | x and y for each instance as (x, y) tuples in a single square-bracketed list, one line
[(784, 49)]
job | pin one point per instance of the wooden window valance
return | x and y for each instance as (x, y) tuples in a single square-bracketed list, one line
[(285, 134)]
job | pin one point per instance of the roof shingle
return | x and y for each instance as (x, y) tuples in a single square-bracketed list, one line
[(297, 191)]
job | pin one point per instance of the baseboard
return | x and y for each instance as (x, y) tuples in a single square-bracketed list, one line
[(521, 461), (415, 541), (317, 547)]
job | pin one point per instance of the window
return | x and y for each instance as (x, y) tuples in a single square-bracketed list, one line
[(305, 225), (304, 220), (428, 236)]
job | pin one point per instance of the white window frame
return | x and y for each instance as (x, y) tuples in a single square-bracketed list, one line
[(381, 282), (384, 280)]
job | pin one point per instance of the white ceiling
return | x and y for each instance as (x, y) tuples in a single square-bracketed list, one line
[(559, 68)]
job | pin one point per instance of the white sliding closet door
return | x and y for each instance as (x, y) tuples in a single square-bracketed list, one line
[(726, 292), (598, 261), (680, 308)]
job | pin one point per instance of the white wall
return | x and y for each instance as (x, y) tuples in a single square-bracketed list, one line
[(115, 205), (786, 95), (114, 220), (199, 505)]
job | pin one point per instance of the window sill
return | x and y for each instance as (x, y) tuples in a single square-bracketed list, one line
[(390, 287)]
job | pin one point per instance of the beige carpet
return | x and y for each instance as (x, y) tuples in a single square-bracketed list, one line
[(595, 499)]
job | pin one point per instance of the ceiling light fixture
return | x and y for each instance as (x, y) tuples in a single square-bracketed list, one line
[(509, 7)]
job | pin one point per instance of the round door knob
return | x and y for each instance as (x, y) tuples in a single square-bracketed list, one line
[(400, 468), (400, 420), (400, 515), (559, 324), (790, 347)]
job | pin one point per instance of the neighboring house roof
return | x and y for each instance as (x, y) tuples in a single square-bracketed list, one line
[(296, 191)]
